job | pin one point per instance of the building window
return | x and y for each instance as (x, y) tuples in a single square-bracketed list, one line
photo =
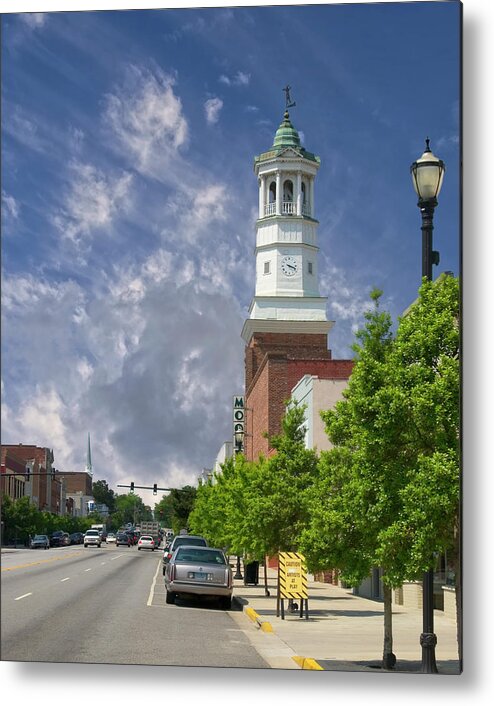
[(267, 267), (309, 265)]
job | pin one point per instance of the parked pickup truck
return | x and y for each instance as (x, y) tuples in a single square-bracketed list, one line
[(92, 538)]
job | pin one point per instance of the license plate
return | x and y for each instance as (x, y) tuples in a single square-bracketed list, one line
[(199, 575)]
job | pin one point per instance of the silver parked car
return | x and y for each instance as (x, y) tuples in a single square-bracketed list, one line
[(178, 541), (199, 571), (40, 541)]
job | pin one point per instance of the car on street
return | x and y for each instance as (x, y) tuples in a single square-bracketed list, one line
[(123, 538), (103, 535), (199, 571), (76, 538), (40, 541), (132, 535), (179, 541), (111, 538), (146, 542), (59, 539), (92, 538)]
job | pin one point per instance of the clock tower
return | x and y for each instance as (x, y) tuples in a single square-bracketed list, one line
[(287, 287), (286, 333)]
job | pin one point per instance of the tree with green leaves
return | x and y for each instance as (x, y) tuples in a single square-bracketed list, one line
[(425, 368), (276, 494), (355, 494), (163, 511), (103, 494), (388, 492), (182, 502)]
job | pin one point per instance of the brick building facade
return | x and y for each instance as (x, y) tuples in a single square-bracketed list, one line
[(44, 488), (274, 363)]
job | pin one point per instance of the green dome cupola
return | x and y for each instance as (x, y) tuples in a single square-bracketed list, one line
[(286, 134)]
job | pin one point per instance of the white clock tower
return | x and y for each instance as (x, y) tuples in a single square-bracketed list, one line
[(287, 298), (286, 332)]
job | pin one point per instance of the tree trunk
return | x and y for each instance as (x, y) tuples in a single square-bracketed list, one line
[(389, 659)]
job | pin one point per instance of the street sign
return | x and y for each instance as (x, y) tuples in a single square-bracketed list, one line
[(292, 575), (292, 583)]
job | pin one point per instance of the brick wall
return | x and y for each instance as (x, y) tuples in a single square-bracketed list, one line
[(294, 346), (274, 363)]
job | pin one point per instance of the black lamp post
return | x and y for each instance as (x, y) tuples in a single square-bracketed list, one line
[(427, 176), (239, 447)]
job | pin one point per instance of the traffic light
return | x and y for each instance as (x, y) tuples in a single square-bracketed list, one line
[(132, 486), (155, 489)]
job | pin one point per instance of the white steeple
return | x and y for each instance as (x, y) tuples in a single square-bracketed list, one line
[(287, 291), (89, 465)]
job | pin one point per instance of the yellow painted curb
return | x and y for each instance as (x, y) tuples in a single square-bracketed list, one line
[(307, 663), (265, 626), (252, 614)]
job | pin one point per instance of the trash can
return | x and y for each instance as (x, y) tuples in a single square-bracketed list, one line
[(251, 573)]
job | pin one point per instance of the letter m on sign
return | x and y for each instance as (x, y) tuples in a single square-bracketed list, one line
[(238, 402)]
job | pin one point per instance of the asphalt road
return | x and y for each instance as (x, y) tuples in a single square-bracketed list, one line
[(107, 606)]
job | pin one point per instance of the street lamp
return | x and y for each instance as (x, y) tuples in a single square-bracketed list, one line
[(427, 177)]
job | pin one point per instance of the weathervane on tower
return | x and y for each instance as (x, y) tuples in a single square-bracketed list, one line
[(288, 100)]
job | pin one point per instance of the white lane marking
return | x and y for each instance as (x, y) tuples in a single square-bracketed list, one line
[(87, 569), (24, 596), (103, 563), (67, 579), (151, 592)]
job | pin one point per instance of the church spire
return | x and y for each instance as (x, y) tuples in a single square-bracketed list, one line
[(89, 465)]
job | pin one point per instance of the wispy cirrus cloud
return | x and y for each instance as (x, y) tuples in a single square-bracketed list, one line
[(10, 207), (239, 79)]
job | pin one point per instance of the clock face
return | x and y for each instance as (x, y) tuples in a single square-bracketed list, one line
[(289, 265)]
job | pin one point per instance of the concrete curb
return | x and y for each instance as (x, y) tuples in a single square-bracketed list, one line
[(263, 625), (307, 663)]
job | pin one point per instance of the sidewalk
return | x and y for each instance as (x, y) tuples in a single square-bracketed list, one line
[(345, 632)]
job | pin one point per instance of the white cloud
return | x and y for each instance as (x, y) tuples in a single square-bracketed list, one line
[(212, 109), (92, 202), (146, 117), (10, 206), (33, 20), (23, 128), (240, 79)]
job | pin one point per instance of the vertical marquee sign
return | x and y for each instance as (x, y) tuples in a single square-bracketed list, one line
[(238, 423)]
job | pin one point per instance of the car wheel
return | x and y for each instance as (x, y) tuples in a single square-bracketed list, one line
[(138, 549), (226, 602), (170, 597)]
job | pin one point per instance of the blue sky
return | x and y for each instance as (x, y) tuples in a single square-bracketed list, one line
[(129, 202)]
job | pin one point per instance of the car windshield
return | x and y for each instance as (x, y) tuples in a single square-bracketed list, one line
[(190, 555), (93, 533), (40, 536), (148, 539)]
